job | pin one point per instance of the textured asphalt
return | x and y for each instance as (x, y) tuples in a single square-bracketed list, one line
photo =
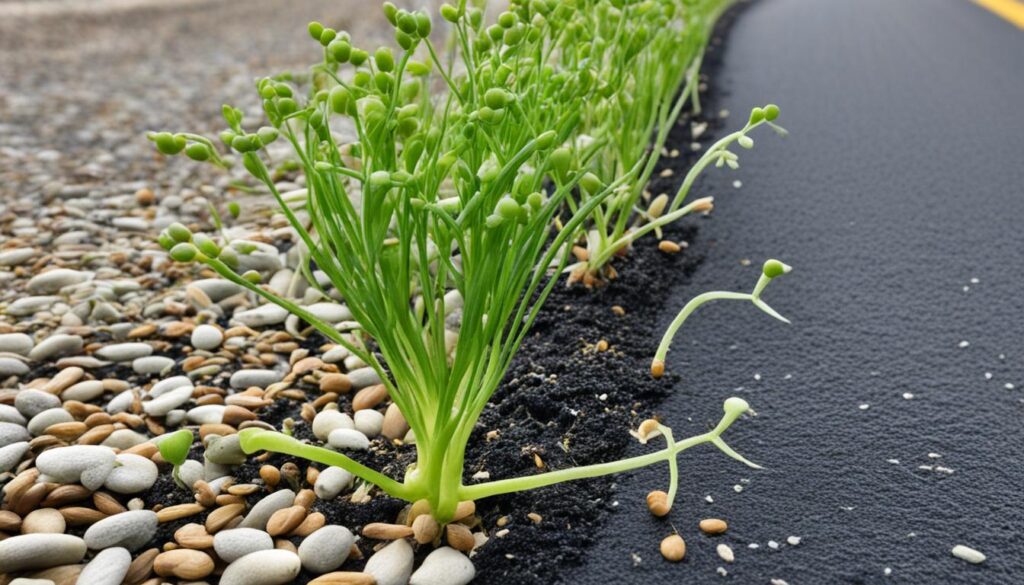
[(902, 181)]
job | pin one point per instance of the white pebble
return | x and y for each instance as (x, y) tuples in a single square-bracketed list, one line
[(968, 554), (725, 553), (348, 439), (444, 566)]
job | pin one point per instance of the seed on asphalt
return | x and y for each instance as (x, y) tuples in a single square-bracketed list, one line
[(713, 526), (968, 554), (725, 552), (669, 247), (673, 548), (657, 503), (535, 517)]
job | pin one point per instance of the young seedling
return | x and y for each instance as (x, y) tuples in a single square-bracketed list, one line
[(174, 449), (441, 207)]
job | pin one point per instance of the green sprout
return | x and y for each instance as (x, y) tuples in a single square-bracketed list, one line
[(456, 204), (174, 449)]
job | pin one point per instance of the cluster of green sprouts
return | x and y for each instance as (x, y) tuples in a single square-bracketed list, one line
[(427, 204)]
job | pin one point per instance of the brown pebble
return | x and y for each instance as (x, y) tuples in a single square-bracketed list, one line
[(220, 517), (65, 494), (383, 531), (673, 548), (713, 526), (311, 524), (464, 510), (142, 567), (183, 563), (284, 544), (145, 197), (535, 517), (171, 513), (286, 520), (337, 383), (459, 537), (345, 578), (395, 425), (80, 516), (425, 529), (417, 509), (193, 536), (235, 415), (657, 503), (9, 521), (107, 504), (369, 397), (669, 247), (305, 498), (43, 521)]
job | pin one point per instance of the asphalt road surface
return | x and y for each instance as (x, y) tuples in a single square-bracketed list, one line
[(891, 412)]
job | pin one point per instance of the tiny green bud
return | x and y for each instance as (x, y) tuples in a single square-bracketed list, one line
[(267, 135), (497, 98), (405, 41), (358, 57), (327, 36), (174, 448), (507, 19), (384, 81), (315, 30), (535, 200), (286, 106), (561, 158), (227, 136), (746, 141), (234, 209), (423, 25), (590, 183), (341, 100), (179, 232), (206, 245), (165, 240), (198, 151), (252, 276), (384, 59), (406, 22), (184, 252), (229, 257), (380, 179), (449, 13), (546, 140), (756, 115), (773, 268), (417, 68), (169, 144), (494, 220), (391, 13), (340, 50), (507, 208), (771, 111)]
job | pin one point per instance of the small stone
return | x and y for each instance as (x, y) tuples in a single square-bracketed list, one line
[(327, 421), (151, 365), (131, 474), (31, 402), (235, 543), (207, 337), (271, 567), (369, 422), (39, 551), (85, 391), (673, 548), (206, 414), (444, 566), (331, 482), (16, 256), (261, 512), (391, 565), (350, 439), (123, 352), (43, 521), (11, 455), (190, 472), (10, 414), (725, 553), (285, 520), (268, 314), (968, 554), (54, 280), (395, 425), (225, 450), (11, 433), (130, 530), (337, 383), (56, 345), (326, 549), (713, 526), (12, 367), (169, 401), (18, 343), (109, 567), (243, 379), (363, 377), (173, 383), (88, 464), (184, 563)]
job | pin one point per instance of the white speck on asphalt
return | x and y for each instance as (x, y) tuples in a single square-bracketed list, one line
[(968, 554)]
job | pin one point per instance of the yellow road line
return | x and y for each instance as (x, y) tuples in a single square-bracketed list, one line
[(1010, 10)]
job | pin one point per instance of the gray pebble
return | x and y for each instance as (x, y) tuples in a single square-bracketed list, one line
[(168, 401), (131, 474), (235, 543), (12, 367), (123, 352), (16, 256), (13, 433), (369, 422), (56, 345), (18, 343), (329, 420), (330, 312), (109, 567), (41, 421), (225, 450), (348, 439), (326, 549), (124, 439), (444, 566), (121, 402), (89, 464), (207, 337), (243, 379), (31, 402), (150, 365), (206, 414), (10, 414), (131, 530), (190, 472), (217, 289), (54, 280), (262, 316), (10, 455), (261, 512), (331, 481), (363, 377), (39, 551), (268, 567), (172, 383), (84, 391), (335, 354), (392, 564)]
